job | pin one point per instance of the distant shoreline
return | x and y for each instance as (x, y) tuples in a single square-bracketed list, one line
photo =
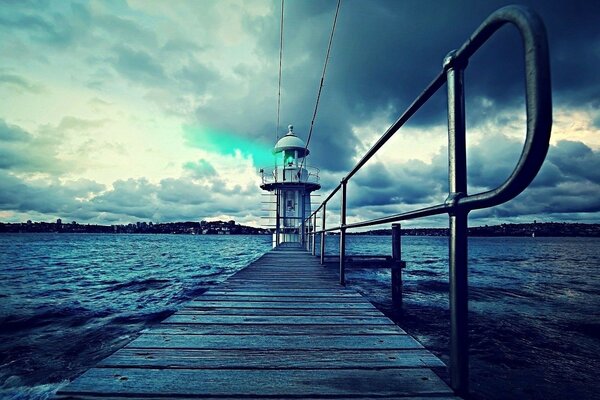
[(177, 228), (545, 229)]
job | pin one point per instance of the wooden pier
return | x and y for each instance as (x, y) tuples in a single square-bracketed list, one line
[(280, 328)]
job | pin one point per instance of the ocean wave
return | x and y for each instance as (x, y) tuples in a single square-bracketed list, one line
[(66, 315), (38, 392), (140, 285), (145, 318)]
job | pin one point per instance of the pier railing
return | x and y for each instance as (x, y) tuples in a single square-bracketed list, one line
[(458, 204)]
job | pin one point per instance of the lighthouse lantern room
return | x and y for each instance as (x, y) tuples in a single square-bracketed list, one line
[(290, 185)]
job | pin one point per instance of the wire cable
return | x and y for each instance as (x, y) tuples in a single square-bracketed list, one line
[(280, 64), (314, 117)]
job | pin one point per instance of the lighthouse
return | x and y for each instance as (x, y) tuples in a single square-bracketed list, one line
[(290, 185)]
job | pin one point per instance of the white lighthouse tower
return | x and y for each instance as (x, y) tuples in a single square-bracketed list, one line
[(290, 185)]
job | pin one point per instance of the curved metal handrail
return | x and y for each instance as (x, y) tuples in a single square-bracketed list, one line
[(538, 98), (458, 204)]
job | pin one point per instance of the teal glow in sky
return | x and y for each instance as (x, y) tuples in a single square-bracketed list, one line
[(137, 110), (226, 143)]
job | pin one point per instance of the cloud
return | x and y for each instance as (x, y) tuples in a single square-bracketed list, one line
[(569, 182), (196, 76), (73, 123), (171, 199), (201, 169), (137, 65), (19, 83), (576, 161), (20, 151), (45, 196)]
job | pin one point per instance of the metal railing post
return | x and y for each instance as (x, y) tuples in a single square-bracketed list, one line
[(314, 236), (343, 236), (397, 266), (277, 210), (307, 234), (458, 245), (323, 234)]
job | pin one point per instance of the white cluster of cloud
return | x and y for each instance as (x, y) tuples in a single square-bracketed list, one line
[(163, 111)]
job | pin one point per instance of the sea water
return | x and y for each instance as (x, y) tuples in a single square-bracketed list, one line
[(69, 300)]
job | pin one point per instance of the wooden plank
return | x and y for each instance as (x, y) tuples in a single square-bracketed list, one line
[(299, 342), (141, 382), (102, 396), (279, 299), (266, 329), (199, 302), (286, 293), (278, 312), (269, 359), (286, 320)]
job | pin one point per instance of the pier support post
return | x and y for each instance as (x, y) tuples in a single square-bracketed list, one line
[(457, 180), (323, 234), (314, 235), (343, 236), (397, 265)]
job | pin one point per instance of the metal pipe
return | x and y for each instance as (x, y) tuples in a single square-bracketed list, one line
[(308, 235), (323, 234), (421, 99), (423, 212), (306, 243), (303, 238), (343, 235), (457, 180), (333, 192), (277, 226), (313, 235)]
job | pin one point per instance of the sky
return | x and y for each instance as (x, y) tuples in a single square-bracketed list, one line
[(122, 111)]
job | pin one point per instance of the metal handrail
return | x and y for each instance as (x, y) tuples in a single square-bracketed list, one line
[(458, 203)]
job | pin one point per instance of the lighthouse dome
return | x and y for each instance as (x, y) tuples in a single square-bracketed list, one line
[(291, 142)]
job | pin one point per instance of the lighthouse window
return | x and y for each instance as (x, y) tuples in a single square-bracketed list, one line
[(289, 157), (290, 205)]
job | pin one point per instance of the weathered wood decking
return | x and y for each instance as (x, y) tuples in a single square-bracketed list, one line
[(282, 327)]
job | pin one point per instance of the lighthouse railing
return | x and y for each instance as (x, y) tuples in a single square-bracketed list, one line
[(291, 174), (458, 204)]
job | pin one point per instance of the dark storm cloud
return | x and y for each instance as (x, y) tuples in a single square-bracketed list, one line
[(567, 183), (576, 160), (412, 183), (386, 52)]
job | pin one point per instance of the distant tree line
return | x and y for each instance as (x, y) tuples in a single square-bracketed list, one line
[(185, 228)]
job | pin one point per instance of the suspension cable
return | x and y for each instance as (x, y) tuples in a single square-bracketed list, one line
[(280, 63), (312, 123)]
